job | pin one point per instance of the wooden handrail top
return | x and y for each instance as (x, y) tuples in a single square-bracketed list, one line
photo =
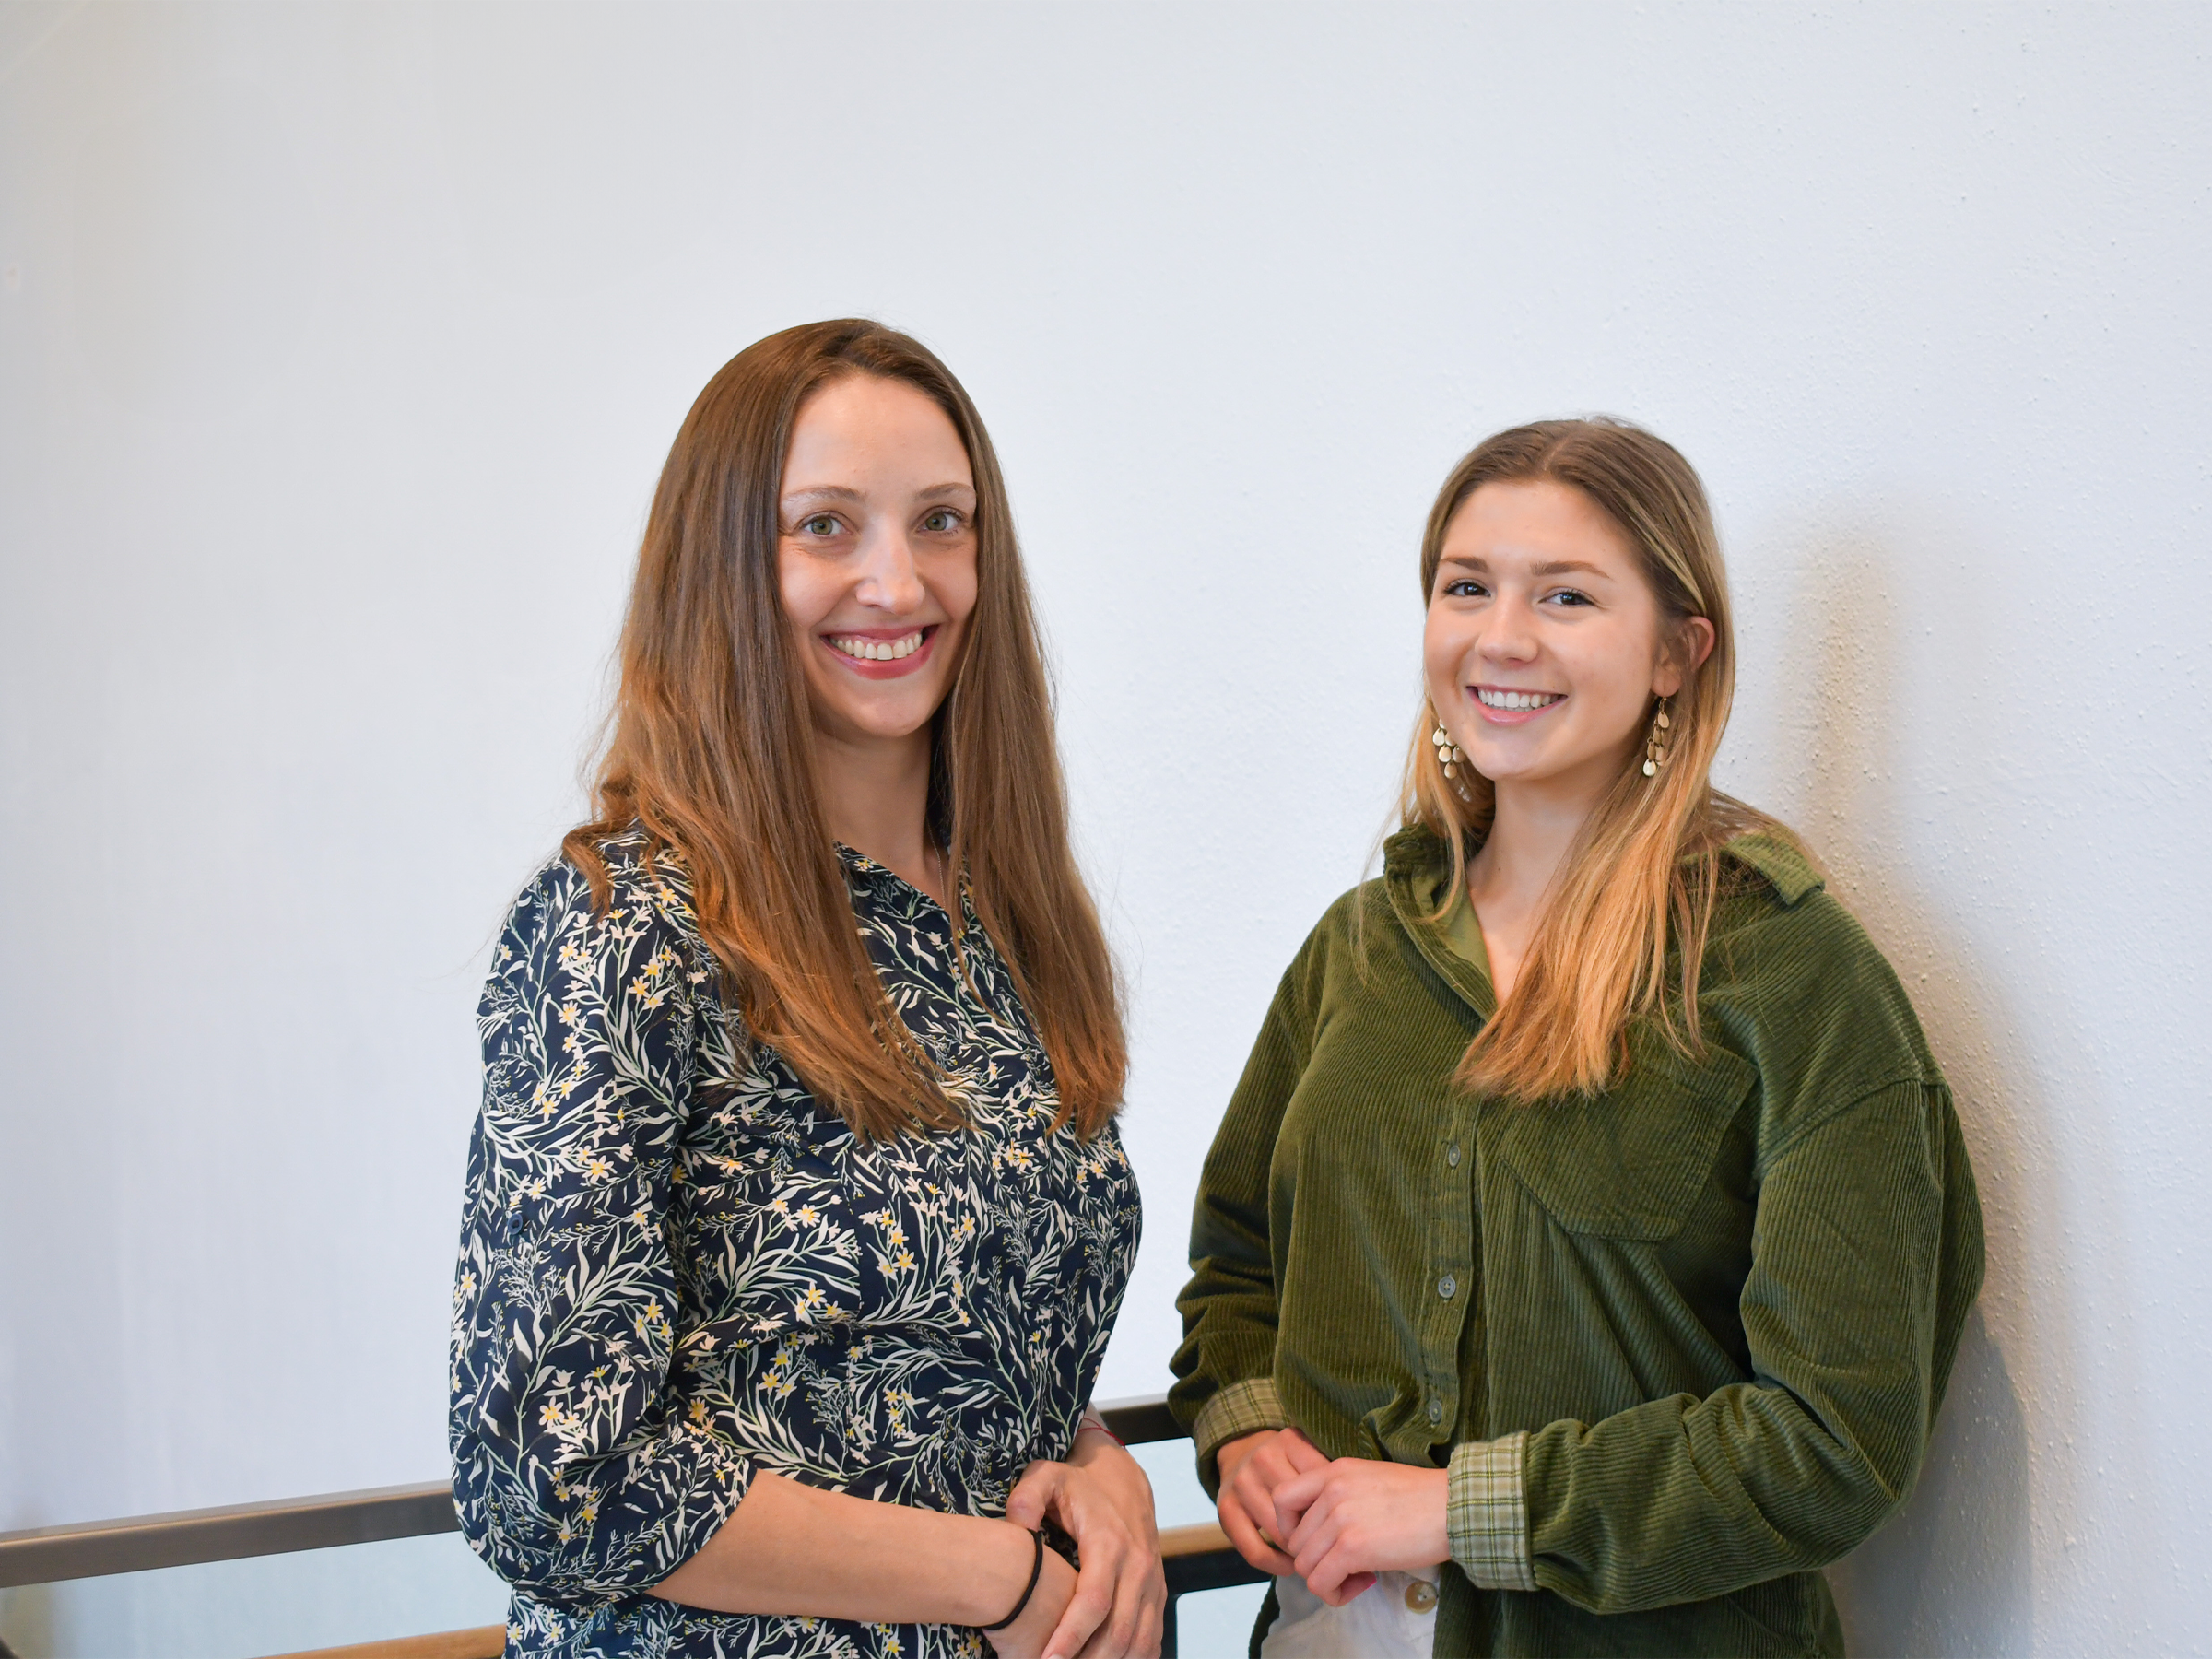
[(1206, 1538), (485, 1641)]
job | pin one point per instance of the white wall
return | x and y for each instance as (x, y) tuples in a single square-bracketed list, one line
[(339, 348)]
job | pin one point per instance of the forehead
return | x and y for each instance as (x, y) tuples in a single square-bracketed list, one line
[(1539, 521), (865, 426)]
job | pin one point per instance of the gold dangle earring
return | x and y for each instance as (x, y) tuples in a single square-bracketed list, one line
[(1449, 757), (1655, 744)]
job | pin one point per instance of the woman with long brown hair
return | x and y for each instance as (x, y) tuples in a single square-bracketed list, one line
[(796, 1218), (1580, 1263)]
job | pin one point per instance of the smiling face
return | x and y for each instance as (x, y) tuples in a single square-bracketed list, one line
[(1545, 643), (875, 555)]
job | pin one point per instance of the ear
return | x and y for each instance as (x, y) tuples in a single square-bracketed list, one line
[(1685, 655)]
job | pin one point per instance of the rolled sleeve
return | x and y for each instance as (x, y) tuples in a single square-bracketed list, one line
[(1241, 1409), (580, 1475), (1485, 1513)]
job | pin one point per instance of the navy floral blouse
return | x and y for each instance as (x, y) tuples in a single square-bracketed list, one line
[(676, 1268)]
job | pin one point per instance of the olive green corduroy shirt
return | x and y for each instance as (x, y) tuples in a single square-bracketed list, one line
[(1680, 1345)]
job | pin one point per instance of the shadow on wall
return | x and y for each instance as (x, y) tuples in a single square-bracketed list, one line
[(1950, 1572)]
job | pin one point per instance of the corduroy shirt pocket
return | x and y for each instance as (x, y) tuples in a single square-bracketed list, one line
[(1629, 1163)]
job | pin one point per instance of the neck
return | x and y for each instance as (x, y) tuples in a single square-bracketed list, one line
[(875, 793), (1533, 826)]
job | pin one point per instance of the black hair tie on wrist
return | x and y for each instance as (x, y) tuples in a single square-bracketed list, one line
[(1028, 1590)]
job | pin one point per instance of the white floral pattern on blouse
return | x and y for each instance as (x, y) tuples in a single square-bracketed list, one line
[(676, 1268)]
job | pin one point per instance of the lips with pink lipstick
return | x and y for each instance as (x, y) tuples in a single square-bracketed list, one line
[(882, 653), (1504, 705)]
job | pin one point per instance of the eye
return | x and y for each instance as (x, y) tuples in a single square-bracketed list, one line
[(1465, 587), (820, 524), (1569, 597), (940, 520)]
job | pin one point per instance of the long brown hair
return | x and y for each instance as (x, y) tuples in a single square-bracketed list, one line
[(710, 755), (1645, 871)]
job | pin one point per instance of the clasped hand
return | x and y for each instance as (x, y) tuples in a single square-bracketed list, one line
[(1336, 1523), (1100, 1498)]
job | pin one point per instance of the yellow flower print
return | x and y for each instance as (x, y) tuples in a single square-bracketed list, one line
[(699, 1413)]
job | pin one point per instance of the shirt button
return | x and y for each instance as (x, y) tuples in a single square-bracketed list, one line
[(1447, 1287), (1436, 1411), (1452, 1158), (1420, 1596)]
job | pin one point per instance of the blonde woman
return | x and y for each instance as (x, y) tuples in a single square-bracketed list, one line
[(796, 1220), (1578, 1264)]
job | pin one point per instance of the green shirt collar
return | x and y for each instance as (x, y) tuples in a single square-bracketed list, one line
[(1417, 864)]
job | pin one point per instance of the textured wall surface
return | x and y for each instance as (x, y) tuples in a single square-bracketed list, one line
[(339, 348)]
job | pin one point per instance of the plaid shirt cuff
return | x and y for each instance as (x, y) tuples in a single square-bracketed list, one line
[(1485, 1513), (1241, 1408)]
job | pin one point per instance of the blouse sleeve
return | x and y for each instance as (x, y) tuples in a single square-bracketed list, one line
[(577, 1476)]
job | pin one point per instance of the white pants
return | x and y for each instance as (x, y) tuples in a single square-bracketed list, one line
[(1392, 1619)]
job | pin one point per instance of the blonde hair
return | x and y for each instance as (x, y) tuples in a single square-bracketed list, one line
[(1645, 870)]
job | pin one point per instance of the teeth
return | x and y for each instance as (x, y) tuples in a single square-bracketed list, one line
[(877, 650), (1519, 700)]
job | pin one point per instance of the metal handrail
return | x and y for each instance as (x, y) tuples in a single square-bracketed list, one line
[(188, 1537)]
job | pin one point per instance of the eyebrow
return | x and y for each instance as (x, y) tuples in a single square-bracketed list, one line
[(1550, 567), (840, 492)]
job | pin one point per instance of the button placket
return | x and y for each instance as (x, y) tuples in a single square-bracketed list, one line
[(1451, 1238)]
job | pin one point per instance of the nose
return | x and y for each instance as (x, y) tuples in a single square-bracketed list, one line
[(1509, 633), (888, 578)]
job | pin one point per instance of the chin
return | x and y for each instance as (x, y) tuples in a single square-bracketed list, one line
[(888, 725)]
